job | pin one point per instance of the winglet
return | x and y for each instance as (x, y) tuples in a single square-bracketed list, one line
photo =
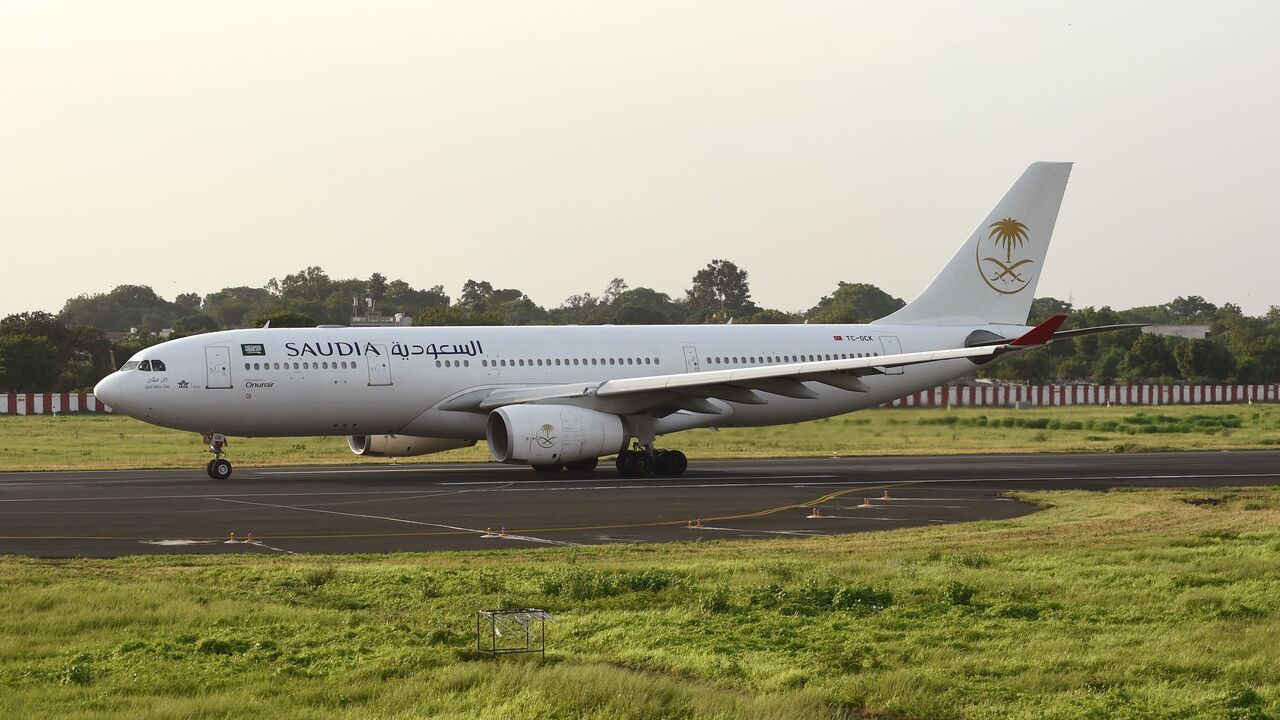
[(1040, 334)]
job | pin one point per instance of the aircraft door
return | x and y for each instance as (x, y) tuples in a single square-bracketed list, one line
[(218, 362), (379, 366), (890, 346), (690, 359)]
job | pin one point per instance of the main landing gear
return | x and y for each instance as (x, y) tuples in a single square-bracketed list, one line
[(219, 468), (645, 460)]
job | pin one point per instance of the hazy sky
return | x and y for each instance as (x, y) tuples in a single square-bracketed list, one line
[(551, 146)]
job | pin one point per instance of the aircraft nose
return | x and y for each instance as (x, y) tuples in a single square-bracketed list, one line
[(108, 390)]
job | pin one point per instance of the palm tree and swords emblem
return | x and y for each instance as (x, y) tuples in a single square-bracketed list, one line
[(1011, 234), (546, 436)]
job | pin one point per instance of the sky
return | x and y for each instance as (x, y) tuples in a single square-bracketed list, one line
[(551, 146)]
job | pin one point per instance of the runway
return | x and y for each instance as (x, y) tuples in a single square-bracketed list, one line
[(387, 508)]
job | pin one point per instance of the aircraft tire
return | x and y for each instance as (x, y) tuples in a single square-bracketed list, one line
[(219, 469), (621, 461), (637, 465), (671, 463), (208, 468)]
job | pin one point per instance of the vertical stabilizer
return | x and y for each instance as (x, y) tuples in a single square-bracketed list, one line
[(993, 277)]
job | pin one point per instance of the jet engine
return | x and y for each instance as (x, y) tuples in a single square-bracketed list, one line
[(402, 445), (553, 434)]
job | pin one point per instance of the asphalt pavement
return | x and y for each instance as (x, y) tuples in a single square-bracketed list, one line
[(387, 508)]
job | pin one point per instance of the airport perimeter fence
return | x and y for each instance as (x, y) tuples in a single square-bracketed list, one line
[(50, 403), (945, 396), (1057, 395)]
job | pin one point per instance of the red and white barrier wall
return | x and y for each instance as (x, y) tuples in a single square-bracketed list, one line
[(1052, 395), (49, 403)]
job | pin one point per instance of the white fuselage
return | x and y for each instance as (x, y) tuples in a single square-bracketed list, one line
[(366, 381)]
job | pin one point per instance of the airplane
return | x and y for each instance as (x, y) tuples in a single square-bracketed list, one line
[(557, 397)]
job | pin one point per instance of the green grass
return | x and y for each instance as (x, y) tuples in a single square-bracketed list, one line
[(1129, 604), (105, 442)]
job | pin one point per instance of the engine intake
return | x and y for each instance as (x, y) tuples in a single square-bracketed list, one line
[(402, 445), (553, 434)]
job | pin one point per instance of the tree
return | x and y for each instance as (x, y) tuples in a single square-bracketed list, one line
[(1150, 358), (1107, 367), (186, 304), (1190, 309), (28, 363), (1204, 360), (402, 297), (194, 324), (231, 306), (457, 315), (125, 307), (308, 284), (644, 306), (83, 354), (854, 303), (284, 319), (720, 291), (377, 286), (475, 295), (1044, 307)]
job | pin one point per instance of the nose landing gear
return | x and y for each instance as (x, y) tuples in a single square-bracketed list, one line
[(219, 468)]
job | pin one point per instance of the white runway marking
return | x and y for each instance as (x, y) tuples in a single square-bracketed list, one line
[(805, 533), (396, 519), (780, 482)]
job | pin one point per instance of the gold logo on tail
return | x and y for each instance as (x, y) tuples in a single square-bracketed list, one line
[(1009, 276)]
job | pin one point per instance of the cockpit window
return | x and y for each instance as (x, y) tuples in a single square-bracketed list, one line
[(144, 365), (157, 365), (131, 365)]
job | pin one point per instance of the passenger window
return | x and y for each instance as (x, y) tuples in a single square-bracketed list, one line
[(647, 361), (246, 366), (466, 363), (295, 366), (255, 366), (276, 366)]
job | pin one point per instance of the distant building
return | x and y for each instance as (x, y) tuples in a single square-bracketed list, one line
[(1191, 332), (368, 316)]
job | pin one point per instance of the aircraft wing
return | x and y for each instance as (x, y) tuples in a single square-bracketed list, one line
[(690, 391)]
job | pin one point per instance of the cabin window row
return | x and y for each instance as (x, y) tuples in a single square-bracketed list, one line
[(774, 359), (325, 365), (552, 362)]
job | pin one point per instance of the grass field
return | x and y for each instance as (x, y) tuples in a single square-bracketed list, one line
[(106, 442), (1128, 604)]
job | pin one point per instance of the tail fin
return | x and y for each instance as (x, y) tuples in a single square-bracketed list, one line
[(992, 278)]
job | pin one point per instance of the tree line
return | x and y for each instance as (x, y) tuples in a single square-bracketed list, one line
[(94, 332)]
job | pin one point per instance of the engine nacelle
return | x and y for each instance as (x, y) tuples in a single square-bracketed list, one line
[(553, 434), (402, 445)]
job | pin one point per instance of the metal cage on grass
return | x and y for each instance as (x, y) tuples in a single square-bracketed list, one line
[(517, 630)]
